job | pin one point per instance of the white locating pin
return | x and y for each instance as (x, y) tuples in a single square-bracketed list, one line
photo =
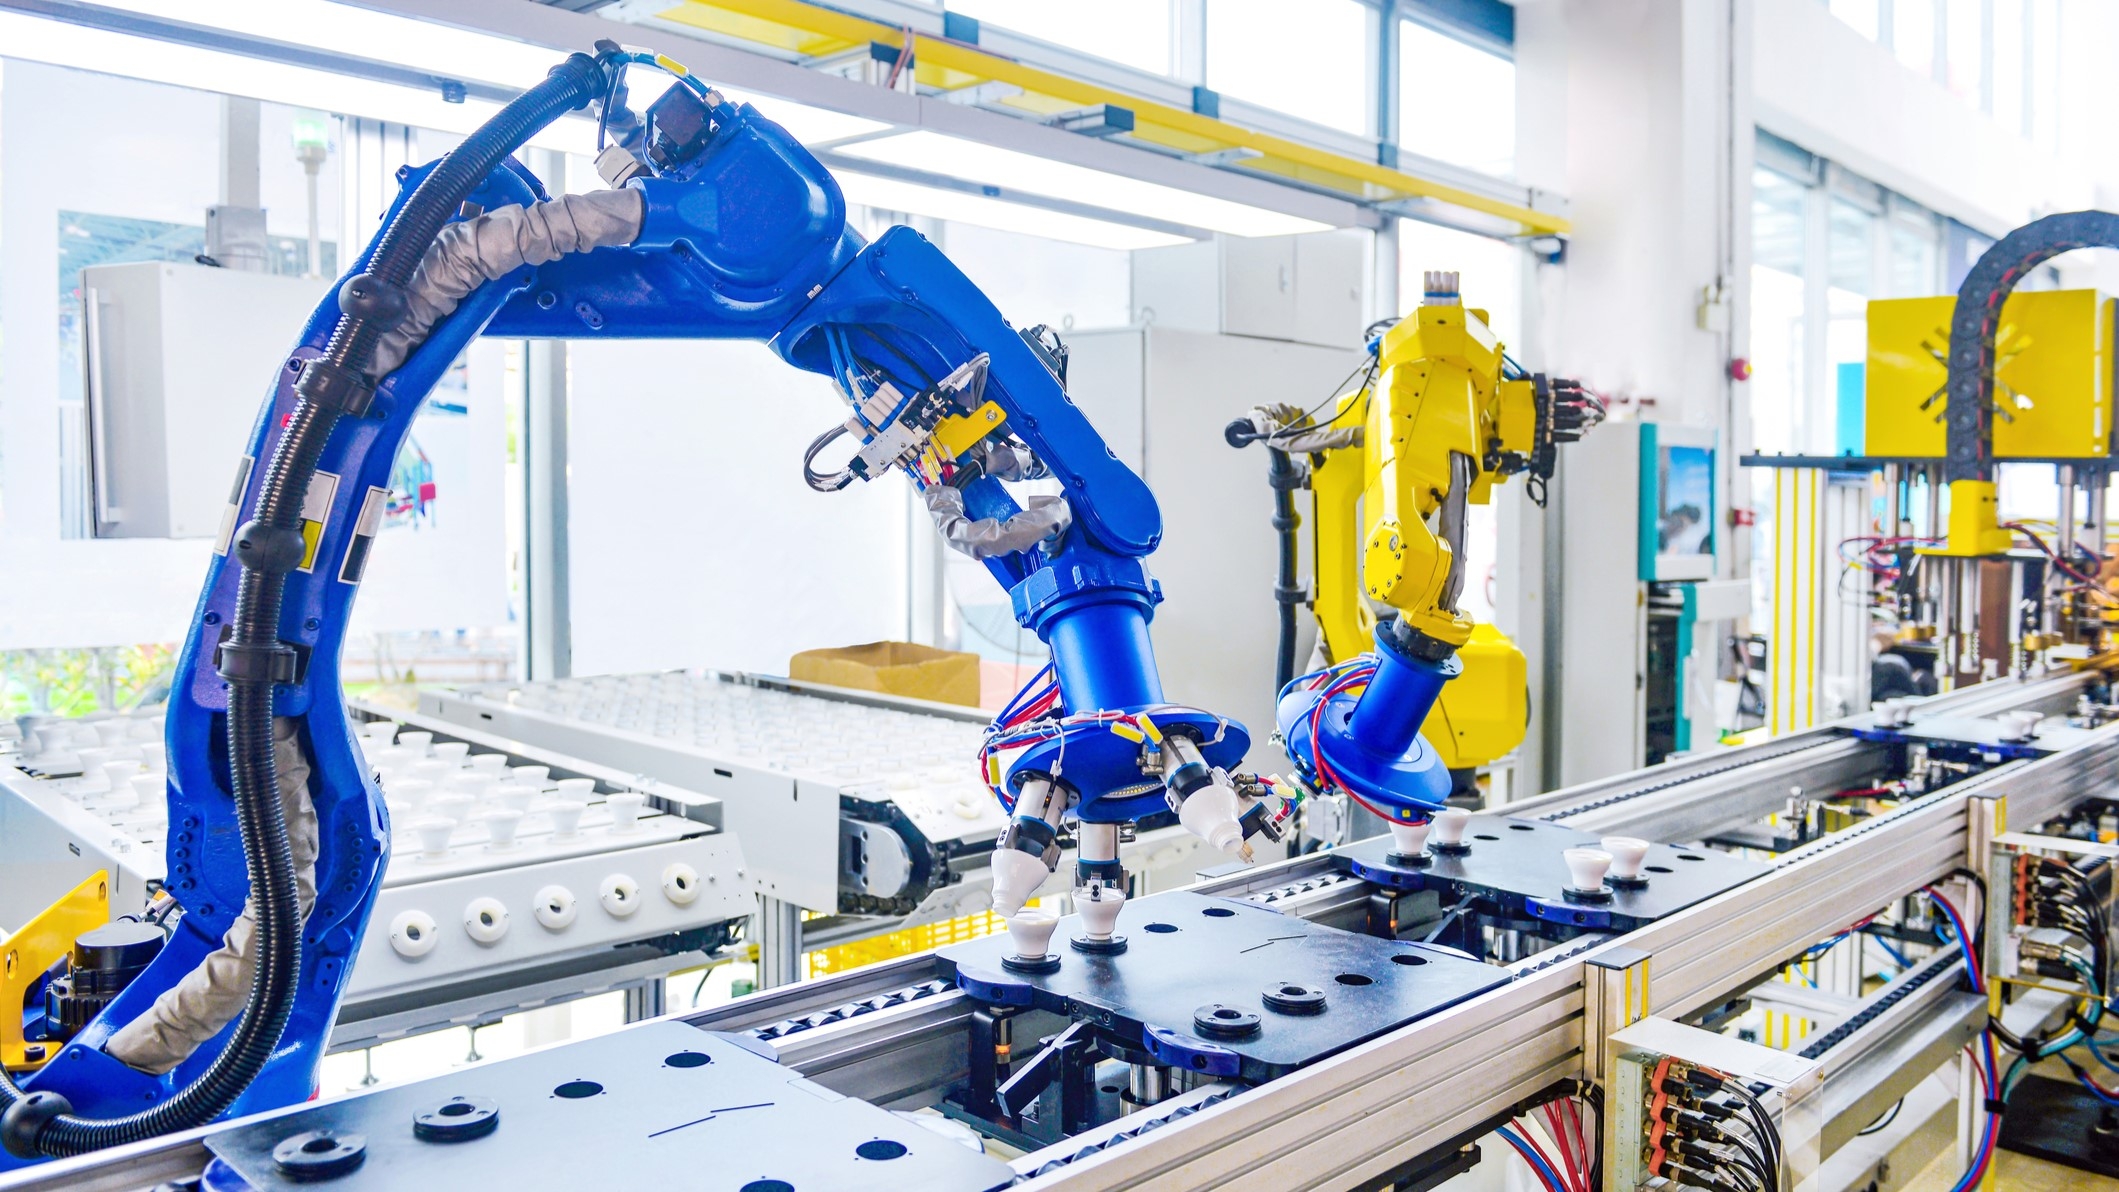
[(1410, 840), (1449, 824), (1627, 853)]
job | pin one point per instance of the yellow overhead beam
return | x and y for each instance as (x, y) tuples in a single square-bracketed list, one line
[(813, 30)]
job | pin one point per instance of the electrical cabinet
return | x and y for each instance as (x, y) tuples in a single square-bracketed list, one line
[(1309, 289), (176, 358)]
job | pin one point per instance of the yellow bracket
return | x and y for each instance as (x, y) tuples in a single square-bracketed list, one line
[(815, 31), (954, 435), (1975, 523), (34, 949)]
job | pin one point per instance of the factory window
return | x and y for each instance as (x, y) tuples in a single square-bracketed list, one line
[(1311, 61), (2000, 57), (1456, 100), (1133, 33)]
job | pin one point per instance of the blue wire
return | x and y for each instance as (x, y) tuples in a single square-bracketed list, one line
[(1546, 1175)]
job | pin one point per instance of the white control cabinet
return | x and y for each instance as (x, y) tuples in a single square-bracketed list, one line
[(178, 358)]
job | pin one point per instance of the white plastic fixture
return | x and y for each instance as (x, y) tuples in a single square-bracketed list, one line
[(1627, 853), (420, 743), (413, 934), (500, 829), (1030, 930), (379, 733), (625, 811), (534, 777), (1449, 824), (554, 908), (486, 920), (566, 819), (1098, 905), (434, 832), (581, 790), (1410, 840), (619, 894), (1586, 868), (453, 752), (680, 883)]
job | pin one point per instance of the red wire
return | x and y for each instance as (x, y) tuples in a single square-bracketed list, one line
[(1566, 1146), (1532, 1140), (1574, 1120)]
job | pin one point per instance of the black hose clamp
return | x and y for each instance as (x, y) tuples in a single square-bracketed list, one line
[(1299, 594), (372, 299), (26, 1119), (271, 662), (335, 387)]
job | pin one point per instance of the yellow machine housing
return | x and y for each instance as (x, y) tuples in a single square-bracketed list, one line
[(2052, 376), (1439, 393), (37, 947)]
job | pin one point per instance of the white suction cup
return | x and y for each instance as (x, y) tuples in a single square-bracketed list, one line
[(1627, 853), (1586, 868), (1098, 905), (1210, 814), (1448, 826), (1410, 840), (1030, 930), (1016, 876)]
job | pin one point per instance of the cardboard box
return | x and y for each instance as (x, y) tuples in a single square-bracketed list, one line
[(894, 668)]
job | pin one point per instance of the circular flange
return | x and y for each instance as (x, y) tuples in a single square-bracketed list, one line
[(1218, 1021), (1408, 860), (1109, 947), (1459, 849), (1628, 883), (1293, 997), (1048, 963), (458, 1119), (1590, 897), (319, 1154)]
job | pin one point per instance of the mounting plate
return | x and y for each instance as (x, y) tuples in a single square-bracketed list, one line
[(643, 1107), (1188, 953), (1517, 864)]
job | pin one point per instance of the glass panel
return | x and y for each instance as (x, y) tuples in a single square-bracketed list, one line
[(1133, 33), (1915, 260), (1850, 248), (1456, 102), (1861, 14), (1776, 310), (1913, 35), (2009, 45), (1313, 67), (1965, 48)]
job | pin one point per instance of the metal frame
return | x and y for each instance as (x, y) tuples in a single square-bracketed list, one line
[(1429, 1088)]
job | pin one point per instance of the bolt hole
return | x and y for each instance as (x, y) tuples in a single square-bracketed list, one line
[(1354, 979), (1293, 990), (1218, 912), (1408, 958), (767, 1186), (575, 1090), (1226, 1013), (1484, 836), (485, 918), (880, 1149), (412, 933), (1690, 857), (1519, 827), (320, 1146), (1160, 928), (456, 1109), (688, 1059), (1658, 868)]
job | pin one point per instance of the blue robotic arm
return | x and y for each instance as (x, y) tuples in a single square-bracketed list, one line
[(740, 233)]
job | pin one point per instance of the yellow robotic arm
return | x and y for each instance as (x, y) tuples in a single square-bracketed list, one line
[(1444, 416)]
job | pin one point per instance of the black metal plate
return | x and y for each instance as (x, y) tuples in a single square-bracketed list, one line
[(1517, 863), (732, 1121), (1227, 952), (2058, 1122)]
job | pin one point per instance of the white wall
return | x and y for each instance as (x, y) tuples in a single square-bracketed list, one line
[(694, 541), (1836, 93)]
